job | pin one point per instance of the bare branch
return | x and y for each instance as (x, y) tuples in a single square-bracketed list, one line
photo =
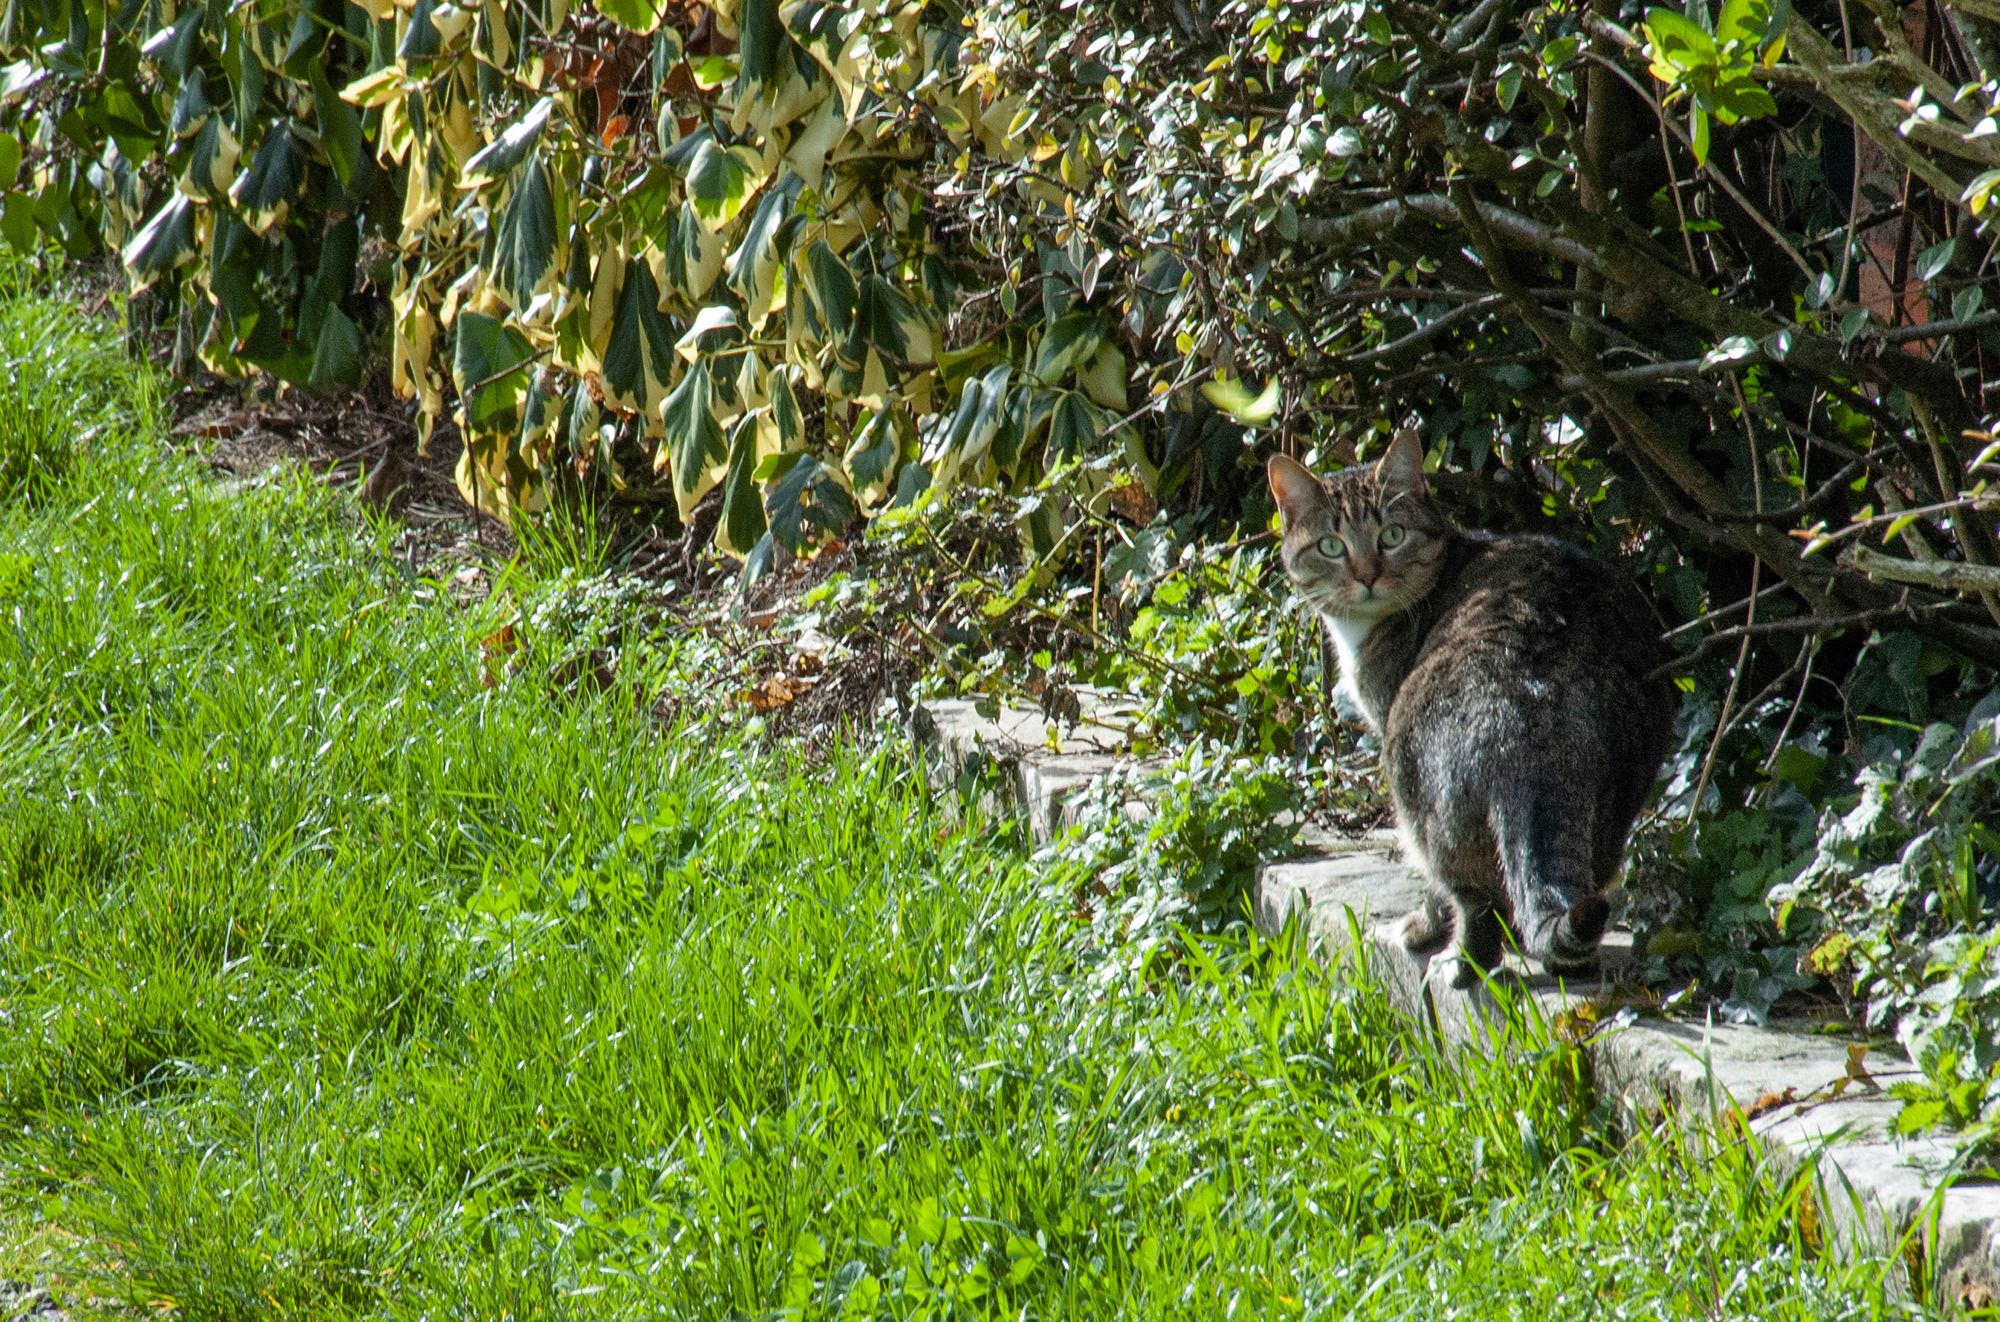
[(1944, 575)]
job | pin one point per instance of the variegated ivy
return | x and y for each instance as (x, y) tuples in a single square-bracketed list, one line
[(700, 227)]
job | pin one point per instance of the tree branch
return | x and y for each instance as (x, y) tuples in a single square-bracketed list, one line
[(1943, 575)]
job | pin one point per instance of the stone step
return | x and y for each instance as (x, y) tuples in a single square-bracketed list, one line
[(1802, 1095)]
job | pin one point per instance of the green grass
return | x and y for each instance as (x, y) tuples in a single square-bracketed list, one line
[(334, 981)]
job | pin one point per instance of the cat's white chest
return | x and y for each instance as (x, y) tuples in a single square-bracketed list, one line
[(1348, 633)]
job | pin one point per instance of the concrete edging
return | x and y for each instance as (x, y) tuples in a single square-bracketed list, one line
[(1795, 1092)]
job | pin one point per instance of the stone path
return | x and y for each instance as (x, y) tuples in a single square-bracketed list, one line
[(1799, 1094)]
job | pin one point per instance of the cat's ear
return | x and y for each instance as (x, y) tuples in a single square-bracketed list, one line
[(1403, 462), (1293, 486)]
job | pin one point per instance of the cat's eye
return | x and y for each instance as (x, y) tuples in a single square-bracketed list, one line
[(1392, 535), (1332, 547)]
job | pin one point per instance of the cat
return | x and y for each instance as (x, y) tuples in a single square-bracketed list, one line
[(1512, 682)]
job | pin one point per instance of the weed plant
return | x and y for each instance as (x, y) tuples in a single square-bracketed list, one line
[(336, 981)]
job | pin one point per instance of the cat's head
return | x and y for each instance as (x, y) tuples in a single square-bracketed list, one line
[(1365, 542)]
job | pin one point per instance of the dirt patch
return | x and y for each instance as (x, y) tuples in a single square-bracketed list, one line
[(808, 685)]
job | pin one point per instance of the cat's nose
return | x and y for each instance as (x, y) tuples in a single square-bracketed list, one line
[(1366, 572)]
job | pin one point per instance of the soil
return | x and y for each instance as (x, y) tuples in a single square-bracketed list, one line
[(813, 687)]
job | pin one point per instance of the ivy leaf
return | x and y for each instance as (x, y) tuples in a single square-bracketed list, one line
[(833, 289), (807, 498), (720, 179), (191, 107), (336, 353), (1070, 340), (785, 415), (693, 254), (489, 367), (694, 437), (890, 322), (212, 160), (755, 271), (762, 44), (743, 523), (163, 242), (715, 317), (875, 449), (510, 148), (421, 40), (636, 356), (1073, 426), (276, 177), (524, 240), (340, 132), (1103, 377)]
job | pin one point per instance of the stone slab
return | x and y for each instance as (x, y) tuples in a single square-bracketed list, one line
[(1792, 1090)]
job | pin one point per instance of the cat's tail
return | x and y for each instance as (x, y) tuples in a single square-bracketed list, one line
[(1545, 856)]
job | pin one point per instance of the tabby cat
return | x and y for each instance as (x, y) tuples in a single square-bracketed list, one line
[(1508, 679)]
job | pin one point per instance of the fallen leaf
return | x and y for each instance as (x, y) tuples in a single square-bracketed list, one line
[(1770, 1102)]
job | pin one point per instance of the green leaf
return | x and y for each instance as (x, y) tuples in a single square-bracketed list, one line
[(1932, 260), (1233, 397), (489, 367), (785, 414), (511, 147), (833, 289), (694, 437), (163, 242), (1698, 132), (886, 318), (191, 107), (1676, 45), (10, 160), (1072, 339), (755, 270), (340, 132), (743, 521), (336, 353), (640, 16), (1980, 190), (275, 178), (1917, 1116), (1744, 22), (636, 358), (524, 239), (1737, 348), (1073, 426), (1896, 526), (1739, 99), (876, 447), (719, 180)]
